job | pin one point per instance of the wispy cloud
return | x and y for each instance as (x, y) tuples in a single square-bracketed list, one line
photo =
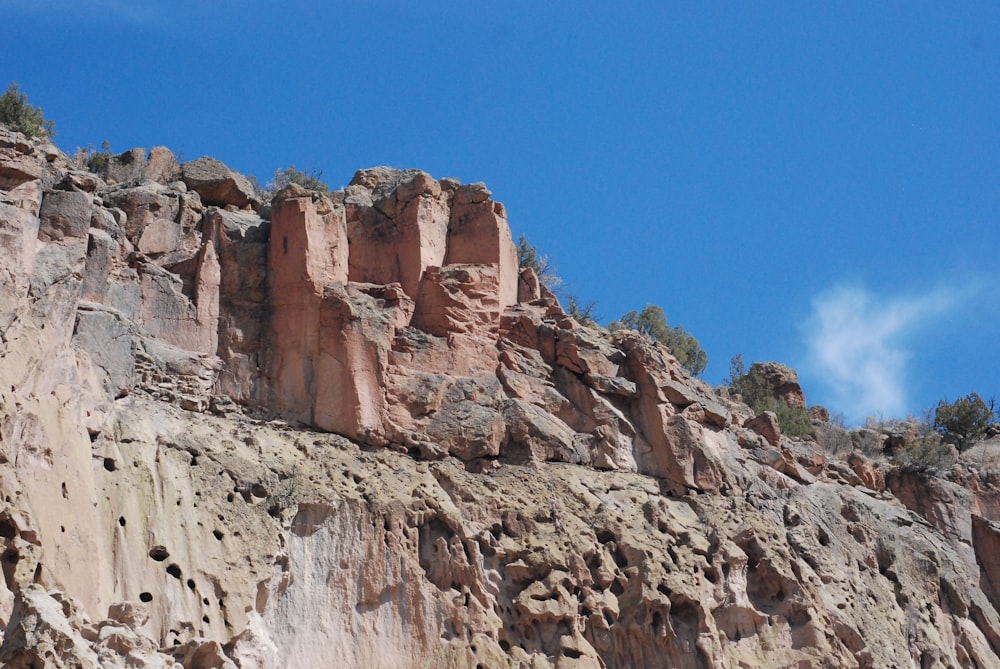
[(857, 344)]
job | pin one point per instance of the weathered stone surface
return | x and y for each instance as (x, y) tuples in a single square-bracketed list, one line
[(766, 425), (783, 380), (161, 165), (64, 214), (227, 441), (217, 184)]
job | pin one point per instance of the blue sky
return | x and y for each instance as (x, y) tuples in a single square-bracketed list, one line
[(814, 183)]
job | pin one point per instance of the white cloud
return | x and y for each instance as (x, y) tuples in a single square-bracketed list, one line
[(857, 345)]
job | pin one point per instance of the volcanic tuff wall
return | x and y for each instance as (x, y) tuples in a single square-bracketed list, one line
[(342, 430)]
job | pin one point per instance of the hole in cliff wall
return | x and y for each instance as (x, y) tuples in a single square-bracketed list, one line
[(619, 557), (159, 553), (145, 597), (174, 571), (109, 464), (121, 520), (218, 535), (7, 529), (684, 621), (190, 584)]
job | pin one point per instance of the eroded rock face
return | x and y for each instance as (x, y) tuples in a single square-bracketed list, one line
[(352, 434)]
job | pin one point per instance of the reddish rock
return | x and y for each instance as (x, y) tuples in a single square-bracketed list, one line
[(162, 166), (217, 184), (766, 425), (783, 381)]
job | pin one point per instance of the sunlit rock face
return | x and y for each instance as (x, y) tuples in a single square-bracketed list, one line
[(343, 430)]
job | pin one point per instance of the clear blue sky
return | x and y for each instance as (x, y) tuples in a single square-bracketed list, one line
[(811, 182)]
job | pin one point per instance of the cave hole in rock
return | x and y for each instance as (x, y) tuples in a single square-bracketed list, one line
[(7, 529), (145, 597), (109, 464), (217, 534), (174, 570), (617, 588), (121, 520), (204, 619), (159, 553), (190, 583)]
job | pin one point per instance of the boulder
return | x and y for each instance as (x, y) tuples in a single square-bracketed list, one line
[(217, 184), (783, 381)]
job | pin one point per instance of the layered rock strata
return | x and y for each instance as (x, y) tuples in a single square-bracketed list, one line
[(343, 430)]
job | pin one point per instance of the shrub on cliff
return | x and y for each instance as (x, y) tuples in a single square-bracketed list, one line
[(759, 396), (652, 321), (17, 114), (290, 175), (93, 160), (528, 257), (965, 420)]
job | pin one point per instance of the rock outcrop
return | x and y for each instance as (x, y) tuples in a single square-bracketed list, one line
[(343, 430)]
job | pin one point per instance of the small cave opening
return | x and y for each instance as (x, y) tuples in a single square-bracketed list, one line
[(174, 570), (159, 553), (145, 597)]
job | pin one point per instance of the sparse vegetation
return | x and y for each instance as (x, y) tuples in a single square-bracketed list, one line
[(528, 257), (757, 394), (964, 421), (926, 454), (17, 114), (652, 321), (311, 180), (584, 315), (94, 160)]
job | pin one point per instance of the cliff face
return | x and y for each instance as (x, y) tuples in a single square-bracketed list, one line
[(342, 430)]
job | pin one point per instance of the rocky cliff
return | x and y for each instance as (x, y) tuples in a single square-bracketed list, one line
[(342, 430)]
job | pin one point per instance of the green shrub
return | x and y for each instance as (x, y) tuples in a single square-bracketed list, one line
[(757, 394), (927, 455), (94, 160), (17, 114), (528, 257), (290, 175), (584, 315), (652, 322), (965, 420)]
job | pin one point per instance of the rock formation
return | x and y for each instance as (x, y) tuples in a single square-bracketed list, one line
[(342, 430)]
